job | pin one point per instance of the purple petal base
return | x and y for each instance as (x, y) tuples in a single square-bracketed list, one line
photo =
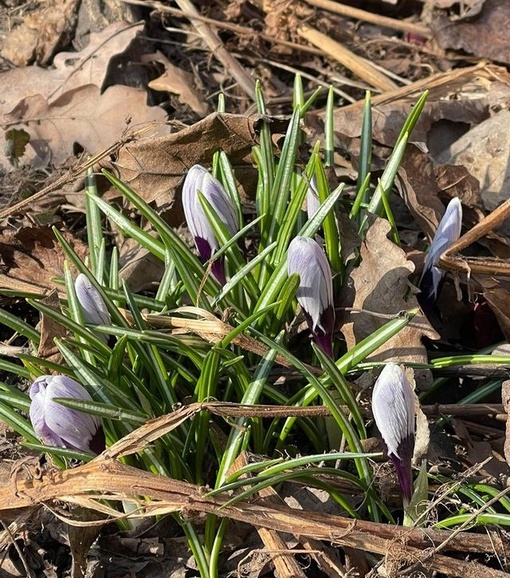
[(97, 444), (205, 251), (405, 478), (324, 337), (325, 342), (218, 270), (403, 467)]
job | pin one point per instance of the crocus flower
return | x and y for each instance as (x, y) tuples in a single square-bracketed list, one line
[(315, 291), (199, 179), (448, 231), (61, 426), (393, 411), (92, 304)]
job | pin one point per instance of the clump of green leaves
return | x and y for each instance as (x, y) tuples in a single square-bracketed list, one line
[(140, 371)]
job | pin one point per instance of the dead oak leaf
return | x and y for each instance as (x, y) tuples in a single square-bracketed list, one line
[(71, 69), (32, 260), (380, 290), (81, 116)]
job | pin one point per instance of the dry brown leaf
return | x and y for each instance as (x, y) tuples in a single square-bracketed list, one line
[(154, 167), (81, 116), (450, 3), (71, 70), (389, 118), (497, 294), (40, 33), (485, 36), (417, 186), (32, 260), (177, 81), (380, 286), (484, 152)]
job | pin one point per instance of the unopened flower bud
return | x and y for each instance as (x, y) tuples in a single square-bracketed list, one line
[(60, 426), (92, 304), (315, 292), (199, 179), (312, 198), (394, 415), (448, 231)]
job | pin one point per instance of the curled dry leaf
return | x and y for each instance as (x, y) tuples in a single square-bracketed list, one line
[(81, 116), (496, 291), (380, 290), (417, 186), (389, 118), (177, 81)]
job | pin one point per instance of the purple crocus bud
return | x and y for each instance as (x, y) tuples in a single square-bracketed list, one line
[(393, 411), (315, 292), (448, 231), (92, 304), (199, 179), (61, 426)]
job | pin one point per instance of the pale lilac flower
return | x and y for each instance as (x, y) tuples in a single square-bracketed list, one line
[(199, 179), (394, 415), (60, 426), (92, 304), (315, 292), (448, 231)]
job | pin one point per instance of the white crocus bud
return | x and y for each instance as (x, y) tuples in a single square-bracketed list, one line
[(312, 198), (199, 179), (448, 231), (394, 415), (94, 308), (315, 292)]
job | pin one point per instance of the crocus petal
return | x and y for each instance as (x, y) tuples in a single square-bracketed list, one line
[(37, 417), (315, 292), (394, 415), (393, 407), (199, 179), (312, 198), (448, 231), (94, 308), (58, 425)]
